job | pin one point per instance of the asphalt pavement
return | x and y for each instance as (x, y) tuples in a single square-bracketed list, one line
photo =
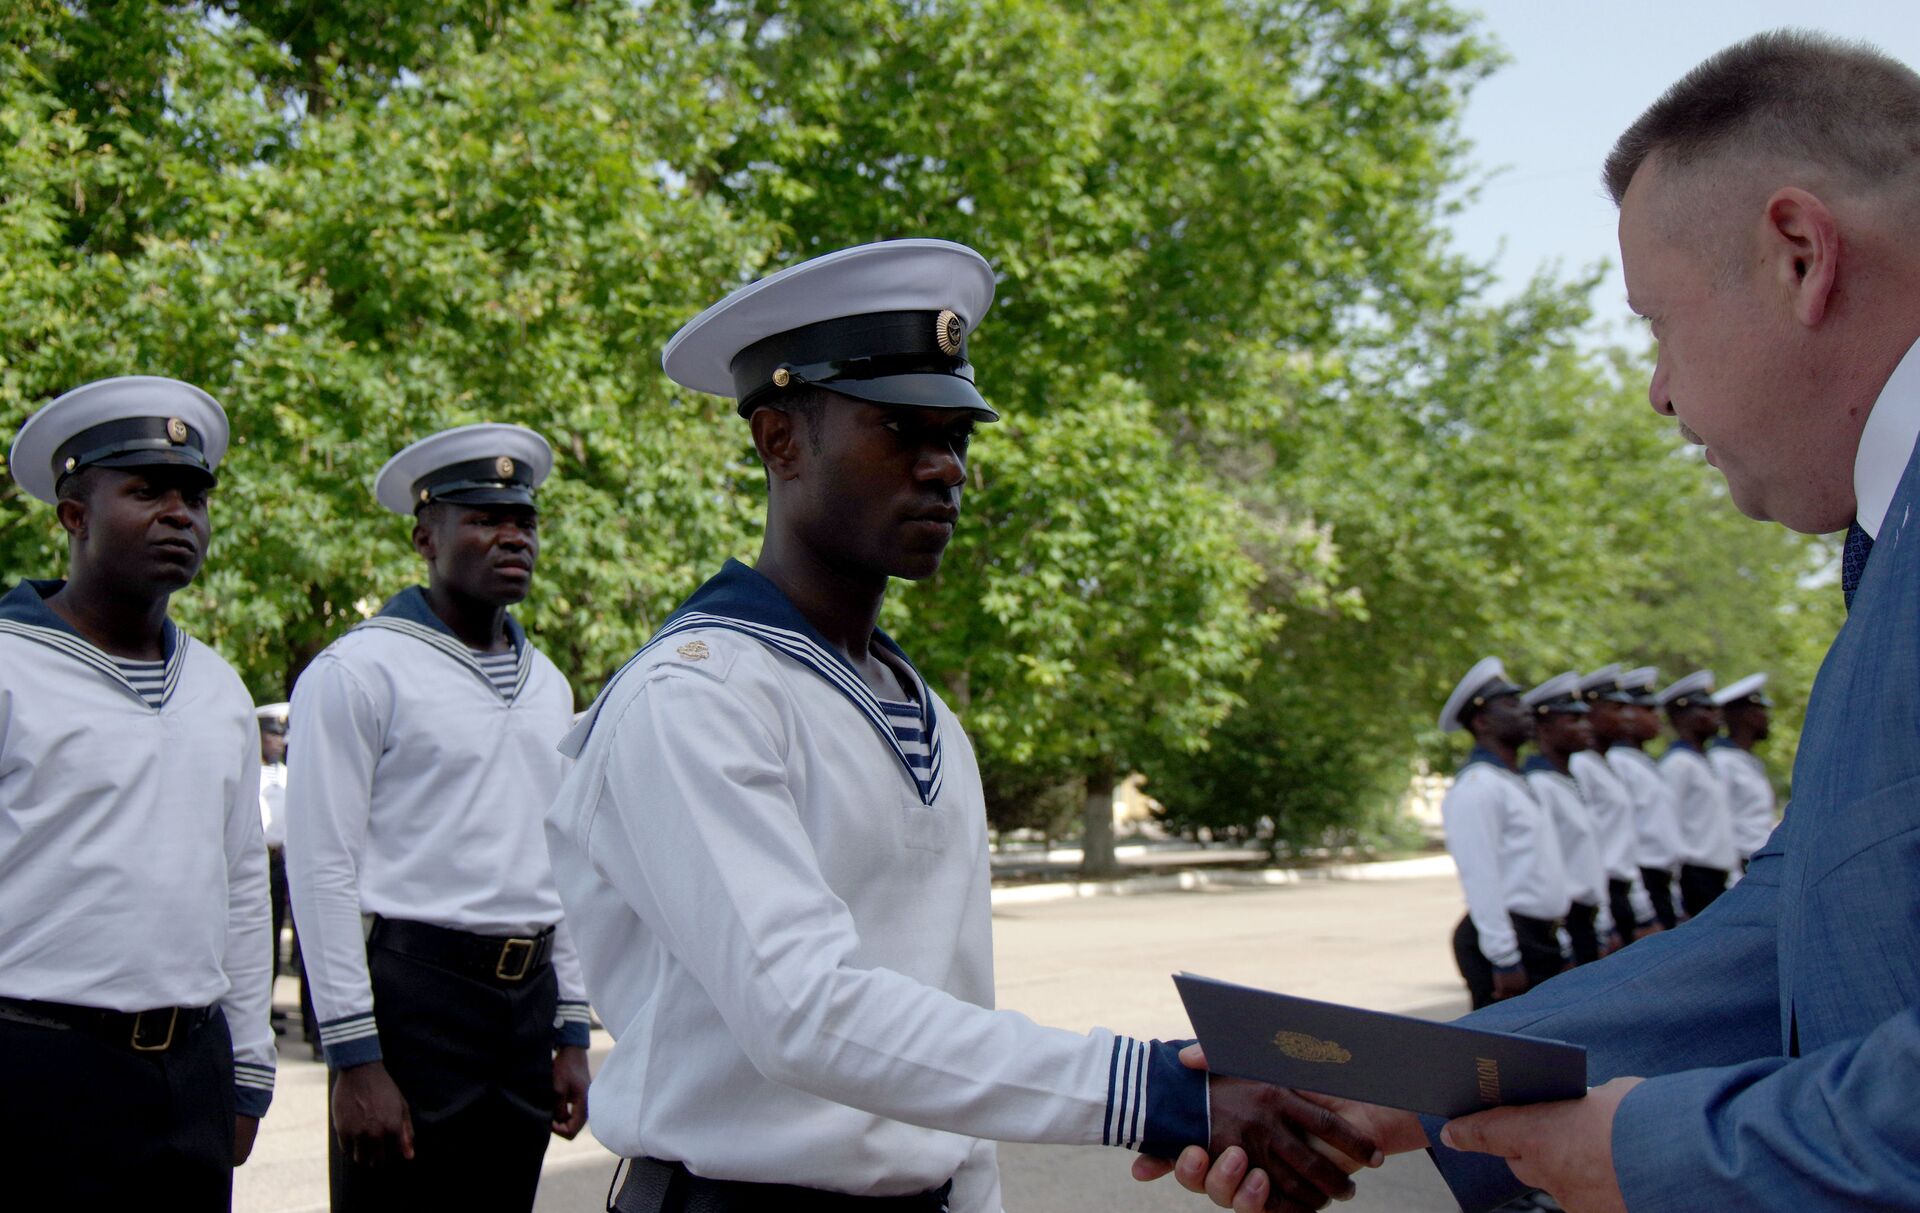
[(1069, 963)]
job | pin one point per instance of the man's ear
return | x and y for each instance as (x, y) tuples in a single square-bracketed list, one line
[(73, 517), (424, 540), (1802, 242), (777, 438)]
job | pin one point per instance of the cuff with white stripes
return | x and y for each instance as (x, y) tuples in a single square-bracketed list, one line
[(572, 1026), (351, 1041), (1155, 1104), (252, 1089)]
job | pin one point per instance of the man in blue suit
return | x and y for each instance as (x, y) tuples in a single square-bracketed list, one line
[(1765, 1055)]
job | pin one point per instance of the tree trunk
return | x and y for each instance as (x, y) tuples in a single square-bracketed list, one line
[(1097, 858)]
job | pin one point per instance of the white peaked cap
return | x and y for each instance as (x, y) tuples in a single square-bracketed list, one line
[(190, 429), (1695, 688), (1488, 674), (520, 457)]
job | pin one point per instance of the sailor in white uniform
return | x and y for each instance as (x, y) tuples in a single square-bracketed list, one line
[(1707, 854), (1748, 715), (1612, 806), (273, 820), (772, 846), (421, 760), (1656, 816), (135, 1055), (1561, 731), (1504, 844)]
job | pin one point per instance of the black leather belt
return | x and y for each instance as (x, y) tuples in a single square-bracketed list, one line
[(153, 1031), (653, 1186), (507, 960)]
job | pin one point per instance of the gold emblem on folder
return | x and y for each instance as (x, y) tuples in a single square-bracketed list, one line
[(1302, 1047), (695, 650)]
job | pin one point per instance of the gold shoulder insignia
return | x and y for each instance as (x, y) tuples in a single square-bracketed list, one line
[(1302, 1047), (695, 650)]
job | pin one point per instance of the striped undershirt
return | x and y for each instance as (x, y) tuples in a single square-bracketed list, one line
[(148, 677), (501, 669), (909, 731)]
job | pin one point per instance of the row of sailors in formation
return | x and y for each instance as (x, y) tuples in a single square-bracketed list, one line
[(1591, 843), (768, 833)]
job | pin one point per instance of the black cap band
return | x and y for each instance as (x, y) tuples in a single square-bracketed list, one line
[(850, 351), (132, 442), (496, 481), (1569, 704)]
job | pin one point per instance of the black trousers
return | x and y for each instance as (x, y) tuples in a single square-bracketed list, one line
[(277, 892), (1659, 884), (652, 1186), (87, 1123), (1700, 886), (1539, 941), (474, 1060), (1620, 901), (1586, 940)]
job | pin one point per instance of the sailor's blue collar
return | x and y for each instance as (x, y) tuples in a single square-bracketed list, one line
[(411, 606), (26, 604), (1722, 743), (740, 599), (739, 592), (1540, 762), (1682, 744), (1481, 753)]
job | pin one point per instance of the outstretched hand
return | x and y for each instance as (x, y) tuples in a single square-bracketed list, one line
[(1563, 1148), (1272, 1148)]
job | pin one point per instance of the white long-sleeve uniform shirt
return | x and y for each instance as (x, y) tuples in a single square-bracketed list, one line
[(273, 803), (132, 871), (1612, 805), (415, 790), (1706, 820), (1655, 815), (1504, 844), (1579, 838), (790, 939), (1749, 796)]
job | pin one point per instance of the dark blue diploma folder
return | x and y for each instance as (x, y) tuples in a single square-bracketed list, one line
[(1372, 1056)]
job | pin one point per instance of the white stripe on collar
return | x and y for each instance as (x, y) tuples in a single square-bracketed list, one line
[(86, 653), (456, 650), (830, 666)]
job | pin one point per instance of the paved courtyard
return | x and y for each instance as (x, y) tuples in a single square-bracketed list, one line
[(1104, 960)]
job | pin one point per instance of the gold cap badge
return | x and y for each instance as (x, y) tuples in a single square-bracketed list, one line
[(424, 495), (1302, 1047), (782, 377), (504, 466), (695, 650), (950, 331), (176, 431), (70, 462)]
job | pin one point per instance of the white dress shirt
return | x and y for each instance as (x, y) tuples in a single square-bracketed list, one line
[(1886, 443), (790, 935), (415, 791), (273, 803), (1706, 821), (1749, 795), (1613, 818), (1508, 853), (1656, 816), (1579, 838), (132, 871)]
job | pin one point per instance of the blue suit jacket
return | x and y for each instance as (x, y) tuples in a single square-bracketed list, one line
[(1783, 1024)]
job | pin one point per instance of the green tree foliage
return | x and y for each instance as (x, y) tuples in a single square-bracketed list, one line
[(1272, 470)]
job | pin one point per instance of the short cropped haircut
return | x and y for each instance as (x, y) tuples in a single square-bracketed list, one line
[(1843, 106)]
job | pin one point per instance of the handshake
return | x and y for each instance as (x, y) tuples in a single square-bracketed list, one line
[(1275, 1148)]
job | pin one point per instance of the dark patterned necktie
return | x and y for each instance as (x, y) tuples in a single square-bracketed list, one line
[(1853, 560)]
